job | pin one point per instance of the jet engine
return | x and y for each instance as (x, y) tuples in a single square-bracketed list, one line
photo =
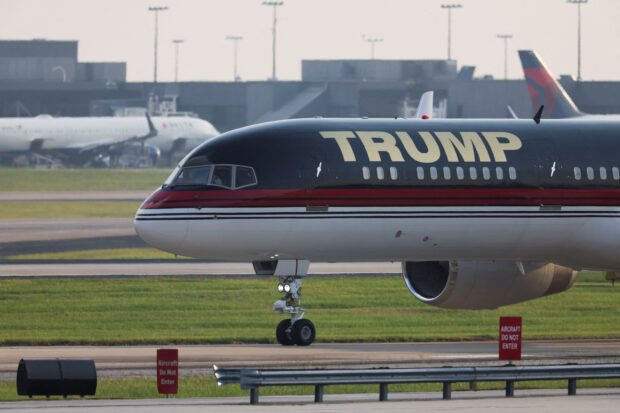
[(484, 284)]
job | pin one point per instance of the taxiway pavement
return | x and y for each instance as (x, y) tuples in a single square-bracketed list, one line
[(586, 400), (44, 196), (198, 360)]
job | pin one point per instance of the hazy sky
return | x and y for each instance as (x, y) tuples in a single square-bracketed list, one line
[(122, 30)]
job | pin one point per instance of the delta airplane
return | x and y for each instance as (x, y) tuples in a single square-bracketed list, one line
[(80, 138), (481, 213), (544, 89)]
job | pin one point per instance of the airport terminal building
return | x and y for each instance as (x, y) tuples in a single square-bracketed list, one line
[(41, 76)]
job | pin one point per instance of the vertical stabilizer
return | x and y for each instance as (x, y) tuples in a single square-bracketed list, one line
[(425, 107), (544, 89)]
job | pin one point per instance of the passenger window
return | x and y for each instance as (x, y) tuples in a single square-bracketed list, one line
[(603, 173), (420, 172), (393, 173), (512, 173), (590, 172), (222, 176), (244, 176), (459, 173), (499, 172), (615, 172), (198, 175), (380, 174), (433, 173), (473, 174), (446, 173), (366, 173), (486, 174), (577, 172)]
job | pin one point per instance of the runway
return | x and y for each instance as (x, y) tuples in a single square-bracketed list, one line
[(181, 268), (19, 230), (198, 360), (43, 196)]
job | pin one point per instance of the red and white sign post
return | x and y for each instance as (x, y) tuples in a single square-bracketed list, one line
[(168, 371), (510, 338)]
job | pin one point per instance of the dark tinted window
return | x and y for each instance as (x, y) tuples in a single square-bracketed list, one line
[(245, 177), (193, 176), (222, 176)]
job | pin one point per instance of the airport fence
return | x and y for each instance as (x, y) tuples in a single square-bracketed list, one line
[(254, 379)]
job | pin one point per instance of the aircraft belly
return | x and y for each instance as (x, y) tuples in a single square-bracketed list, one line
[(14, 145), (390, 234)]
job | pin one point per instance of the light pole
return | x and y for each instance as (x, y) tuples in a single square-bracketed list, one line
[(372, 41), (275, 5), (176, 42), (505, 37), (578, 3), (156, 10), (450, 7), (235, 40)]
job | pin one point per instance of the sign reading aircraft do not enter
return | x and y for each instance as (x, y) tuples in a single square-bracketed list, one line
[(510, 338), (167, 371)]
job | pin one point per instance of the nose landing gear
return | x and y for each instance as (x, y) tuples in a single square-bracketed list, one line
[(296, 330)]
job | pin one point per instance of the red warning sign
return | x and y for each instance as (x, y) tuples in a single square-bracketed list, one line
[(510, 338), (168, 370)]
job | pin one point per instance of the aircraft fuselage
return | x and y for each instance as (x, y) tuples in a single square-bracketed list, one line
[(400, 190)]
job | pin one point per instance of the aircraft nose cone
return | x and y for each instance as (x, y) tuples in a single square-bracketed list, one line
[(163, 234)]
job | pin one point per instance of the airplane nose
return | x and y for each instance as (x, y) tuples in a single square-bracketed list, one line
[(164, 234)]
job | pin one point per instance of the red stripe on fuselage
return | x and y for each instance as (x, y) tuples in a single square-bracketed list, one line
[(383, 197)]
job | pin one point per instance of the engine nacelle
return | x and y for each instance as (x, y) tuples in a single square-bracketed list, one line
[(484, 284)]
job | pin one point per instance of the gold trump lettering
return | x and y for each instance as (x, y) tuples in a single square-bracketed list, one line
[(470, 146), (432, 153), (386, 144), (342, 139), (510, 142), (467, 147)]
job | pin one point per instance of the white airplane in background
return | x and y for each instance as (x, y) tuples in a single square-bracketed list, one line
[(81, 138)]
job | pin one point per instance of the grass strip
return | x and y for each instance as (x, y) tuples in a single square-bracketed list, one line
[(29, 179), (68, 209), (207, 387), (99, 254), (349, 309)]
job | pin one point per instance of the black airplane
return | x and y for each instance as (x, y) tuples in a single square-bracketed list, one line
[(482, 213)]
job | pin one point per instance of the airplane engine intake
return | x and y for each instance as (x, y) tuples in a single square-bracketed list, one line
[(484, 284)]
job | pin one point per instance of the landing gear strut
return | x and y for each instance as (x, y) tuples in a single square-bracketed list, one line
[(296, 330)]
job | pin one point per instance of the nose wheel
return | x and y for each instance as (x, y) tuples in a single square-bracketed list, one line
[(296, 330)]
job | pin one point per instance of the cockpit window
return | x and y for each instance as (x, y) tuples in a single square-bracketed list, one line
[(197, 175), (222, 176), (173, 175), (244, 177)]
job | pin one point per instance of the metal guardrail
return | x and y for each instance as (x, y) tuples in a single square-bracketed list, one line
[(226, 376), (253, 379)]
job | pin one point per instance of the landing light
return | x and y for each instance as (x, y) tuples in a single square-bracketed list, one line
[(287, 288), (280, 288)]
